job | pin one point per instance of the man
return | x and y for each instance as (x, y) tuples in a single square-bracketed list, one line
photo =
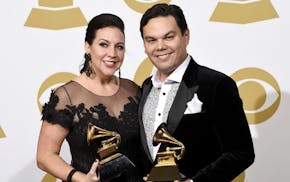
[(200, 106)]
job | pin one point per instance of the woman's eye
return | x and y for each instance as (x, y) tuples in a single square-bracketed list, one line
[(120, 47), (103, 45)]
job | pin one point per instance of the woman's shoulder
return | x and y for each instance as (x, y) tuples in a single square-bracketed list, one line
[(65, 92), (60, 89), (128, 82), (129, 86)]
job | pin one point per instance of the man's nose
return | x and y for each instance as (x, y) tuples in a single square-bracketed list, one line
[(161, 45)]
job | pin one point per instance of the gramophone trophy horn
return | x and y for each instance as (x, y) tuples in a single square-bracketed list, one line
[(108, 149), (166, 168), (113, 163)]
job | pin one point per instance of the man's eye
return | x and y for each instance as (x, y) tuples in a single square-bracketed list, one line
[(169, 37), (150, 40)]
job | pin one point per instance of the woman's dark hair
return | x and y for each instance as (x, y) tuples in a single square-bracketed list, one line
[(98, 22), (164, 9)]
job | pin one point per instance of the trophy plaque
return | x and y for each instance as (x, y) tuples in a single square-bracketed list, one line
[(166, 169), (112, 163)]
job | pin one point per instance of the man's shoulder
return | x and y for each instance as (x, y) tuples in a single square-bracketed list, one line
[(203, 71), (210, 73), (209, 76)]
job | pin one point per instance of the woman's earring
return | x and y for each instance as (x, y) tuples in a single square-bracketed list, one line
[(119, 72), (88, 59), (89, 71)]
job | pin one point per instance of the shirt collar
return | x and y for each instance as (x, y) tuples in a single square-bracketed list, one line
[(175, 76)]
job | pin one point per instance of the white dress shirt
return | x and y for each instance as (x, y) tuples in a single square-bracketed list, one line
[(165, 87)]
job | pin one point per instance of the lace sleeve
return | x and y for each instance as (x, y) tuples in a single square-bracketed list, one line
[(57, 109)]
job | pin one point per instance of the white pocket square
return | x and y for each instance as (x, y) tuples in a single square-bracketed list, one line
[(193, 106)]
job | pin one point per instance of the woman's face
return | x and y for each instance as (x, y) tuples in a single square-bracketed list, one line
[(107, 51)]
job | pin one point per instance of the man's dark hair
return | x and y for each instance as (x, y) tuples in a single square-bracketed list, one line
[(163, 10)]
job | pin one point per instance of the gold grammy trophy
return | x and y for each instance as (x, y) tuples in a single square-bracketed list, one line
[(113, 163), (166, 169)]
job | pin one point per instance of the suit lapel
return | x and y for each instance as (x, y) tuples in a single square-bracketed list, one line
[(145, 92), (188, 86), (185, 93)]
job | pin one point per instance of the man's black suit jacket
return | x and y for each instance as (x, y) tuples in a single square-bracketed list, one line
[(217, 140)]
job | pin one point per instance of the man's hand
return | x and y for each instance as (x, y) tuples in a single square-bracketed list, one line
[(187, 180), (145, 178)]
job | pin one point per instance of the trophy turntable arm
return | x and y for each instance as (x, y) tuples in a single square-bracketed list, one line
[(113, 137), (181, 150)]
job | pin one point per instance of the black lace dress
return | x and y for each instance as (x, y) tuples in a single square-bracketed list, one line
[(73, 106)]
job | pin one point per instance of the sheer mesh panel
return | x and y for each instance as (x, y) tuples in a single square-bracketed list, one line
[(73, 106)]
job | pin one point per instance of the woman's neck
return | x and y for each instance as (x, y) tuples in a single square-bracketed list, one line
[(104, 86)]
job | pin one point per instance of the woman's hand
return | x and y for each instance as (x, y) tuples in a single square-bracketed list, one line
[(94, 174)]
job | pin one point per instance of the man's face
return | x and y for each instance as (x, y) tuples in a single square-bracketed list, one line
[(164, 44)]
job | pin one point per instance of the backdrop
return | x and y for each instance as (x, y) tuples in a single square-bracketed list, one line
[(42, 46)]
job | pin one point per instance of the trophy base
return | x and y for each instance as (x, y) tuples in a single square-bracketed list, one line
[(115, 167), (164, 173)]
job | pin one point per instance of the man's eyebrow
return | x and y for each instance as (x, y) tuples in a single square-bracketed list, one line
[(165, 35), (170, 32), (148, 37)]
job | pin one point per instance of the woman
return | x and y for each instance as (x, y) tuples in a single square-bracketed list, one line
[(96, 96)]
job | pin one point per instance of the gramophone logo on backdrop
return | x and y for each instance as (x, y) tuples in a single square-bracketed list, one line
[(142, 5), (143, 71), (52, 82), (243, 11), (260, 93), (55, 15), (2, 134)]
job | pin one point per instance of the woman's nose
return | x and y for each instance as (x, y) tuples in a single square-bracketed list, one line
[(112, 52)]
